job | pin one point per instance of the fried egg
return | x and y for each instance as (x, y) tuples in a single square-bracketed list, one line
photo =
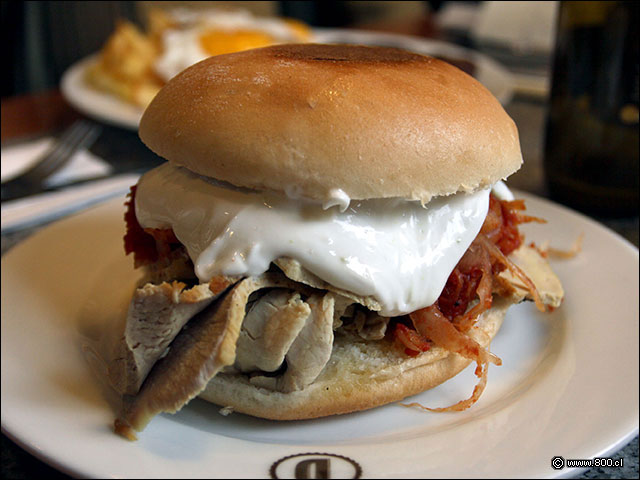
[(199, 35)]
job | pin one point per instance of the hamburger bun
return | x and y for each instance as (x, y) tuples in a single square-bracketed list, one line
[(305, 119)]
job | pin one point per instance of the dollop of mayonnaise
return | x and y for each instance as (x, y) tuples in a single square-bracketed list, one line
[(337, 198), (502, 192), (397, 251)]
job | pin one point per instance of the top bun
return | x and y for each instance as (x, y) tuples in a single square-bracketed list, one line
[(374, 122)]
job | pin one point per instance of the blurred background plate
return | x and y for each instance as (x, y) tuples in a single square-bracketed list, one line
[(108, 108), (95, 103), (487, 71)]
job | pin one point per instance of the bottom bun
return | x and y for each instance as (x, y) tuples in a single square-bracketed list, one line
[(359, 375)]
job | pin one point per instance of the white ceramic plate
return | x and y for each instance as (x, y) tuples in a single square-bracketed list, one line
[(568, 385), (109, 108)]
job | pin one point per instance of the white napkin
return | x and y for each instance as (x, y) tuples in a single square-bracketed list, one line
[(18, 158), (37, 209)]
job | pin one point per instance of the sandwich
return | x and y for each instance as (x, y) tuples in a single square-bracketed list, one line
[(330, 233)]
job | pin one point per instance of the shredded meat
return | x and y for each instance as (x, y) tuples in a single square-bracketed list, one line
[(432, 324), (136, 241), (546, 250), (148, 245), (481, 372), (502, 260), (501, 224), (473, 280), (412, 341)]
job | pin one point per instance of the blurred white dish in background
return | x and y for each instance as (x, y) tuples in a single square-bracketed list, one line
[(108, 108), (97, 104), (522, 27), (133, 64)]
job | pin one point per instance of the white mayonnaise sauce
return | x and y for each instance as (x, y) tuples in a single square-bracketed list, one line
[(337, 198), (397, 251), (501, 191)]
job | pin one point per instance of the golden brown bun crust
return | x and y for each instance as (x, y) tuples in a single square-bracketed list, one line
[(372, 121), (360, 375)]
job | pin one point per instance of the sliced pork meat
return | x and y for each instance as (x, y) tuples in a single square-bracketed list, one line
[(539, 272), (295, 271), (370, 325), (271, 325), (311, 349), (205, 346), (309, 352), (156, 314)]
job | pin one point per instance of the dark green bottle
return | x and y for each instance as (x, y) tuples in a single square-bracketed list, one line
[(591, 148)]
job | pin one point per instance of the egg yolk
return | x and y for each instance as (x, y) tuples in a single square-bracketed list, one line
[(217, 42), (301, 30)]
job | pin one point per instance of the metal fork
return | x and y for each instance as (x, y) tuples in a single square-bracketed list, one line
[(81, 134)]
